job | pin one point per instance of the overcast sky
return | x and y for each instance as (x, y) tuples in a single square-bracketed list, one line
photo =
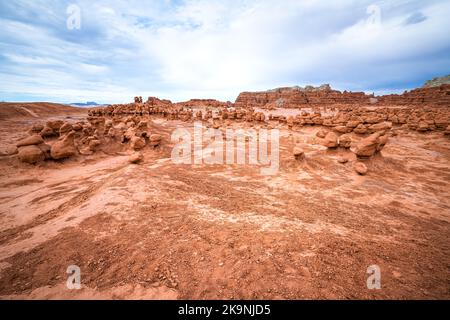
[(215, 49)]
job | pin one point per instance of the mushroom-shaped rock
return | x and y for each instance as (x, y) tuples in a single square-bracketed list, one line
[(85, 151), (94, 144), (31, 154), (360, 129), (342, 129), (47, 132), (360, 168), (55, 125), (321, 134), (380, 126), (136, 158), (108, 124), (37, 128), (353, 124), (65, 128), (130, 133), (423, 126), (345, 141), (382, 140), (141, 129), (155, 140), (30, 141), (299, 154), (369, 146), (330, 140), (342, 159), (64, 148), (77, 127), (137, 143), (46, 149)]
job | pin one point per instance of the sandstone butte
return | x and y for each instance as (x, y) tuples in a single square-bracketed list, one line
[(297, 97)]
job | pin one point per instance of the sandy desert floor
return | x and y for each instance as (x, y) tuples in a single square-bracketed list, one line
[(158, 230)]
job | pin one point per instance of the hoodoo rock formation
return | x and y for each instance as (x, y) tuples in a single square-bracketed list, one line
[(351, 172), (348, 120)]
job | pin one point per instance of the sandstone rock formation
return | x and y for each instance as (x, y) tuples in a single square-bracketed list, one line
[(360, 168), (136, 158), (30, 141), (299, 154), (64, 148), (330, 140), (31, 154), (437, 82), (345, 141), (367, 147), (155, 140)]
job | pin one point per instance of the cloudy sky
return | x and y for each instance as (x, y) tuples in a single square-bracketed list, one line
[(110, 51)]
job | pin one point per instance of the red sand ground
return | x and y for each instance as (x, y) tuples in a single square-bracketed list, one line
[(163, 231)]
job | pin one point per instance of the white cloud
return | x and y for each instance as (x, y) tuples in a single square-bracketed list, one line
[(217, 49)]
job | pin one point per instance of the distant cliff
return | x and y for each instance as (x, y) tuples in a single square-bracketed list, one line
[(436, 82)]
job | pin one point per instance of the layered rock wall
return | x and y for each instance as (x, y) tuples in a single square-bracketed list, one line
[(296, 97)]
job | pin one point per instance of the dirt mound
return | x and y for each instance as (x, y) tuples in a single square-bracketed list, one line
[(9, 110)]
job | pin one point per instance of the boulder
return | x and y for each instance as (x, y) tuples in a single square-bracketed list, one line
[(155, 140), (382, 140), (136, 158), (360, 168), (35, 129), (65, 128), (130, 133), (85, 151), (345, 141), (47, 132), (360, 129), (321, 134), (77, 127), (31, 154), (353, 124), (141, 129), (369, 146), (380, 126), (108, 124), (64, 148), (299, 154), (114, 133), (137, 143), (55, 125), (342, 160), (423, 126), (46, 149), (30, 141), (342, 129), (94, 144), (330, 140)]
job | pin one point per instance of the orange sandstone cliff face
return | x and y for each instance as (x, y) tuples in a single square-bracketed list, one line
[(296, 97), (323, 96), (434, 96)]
